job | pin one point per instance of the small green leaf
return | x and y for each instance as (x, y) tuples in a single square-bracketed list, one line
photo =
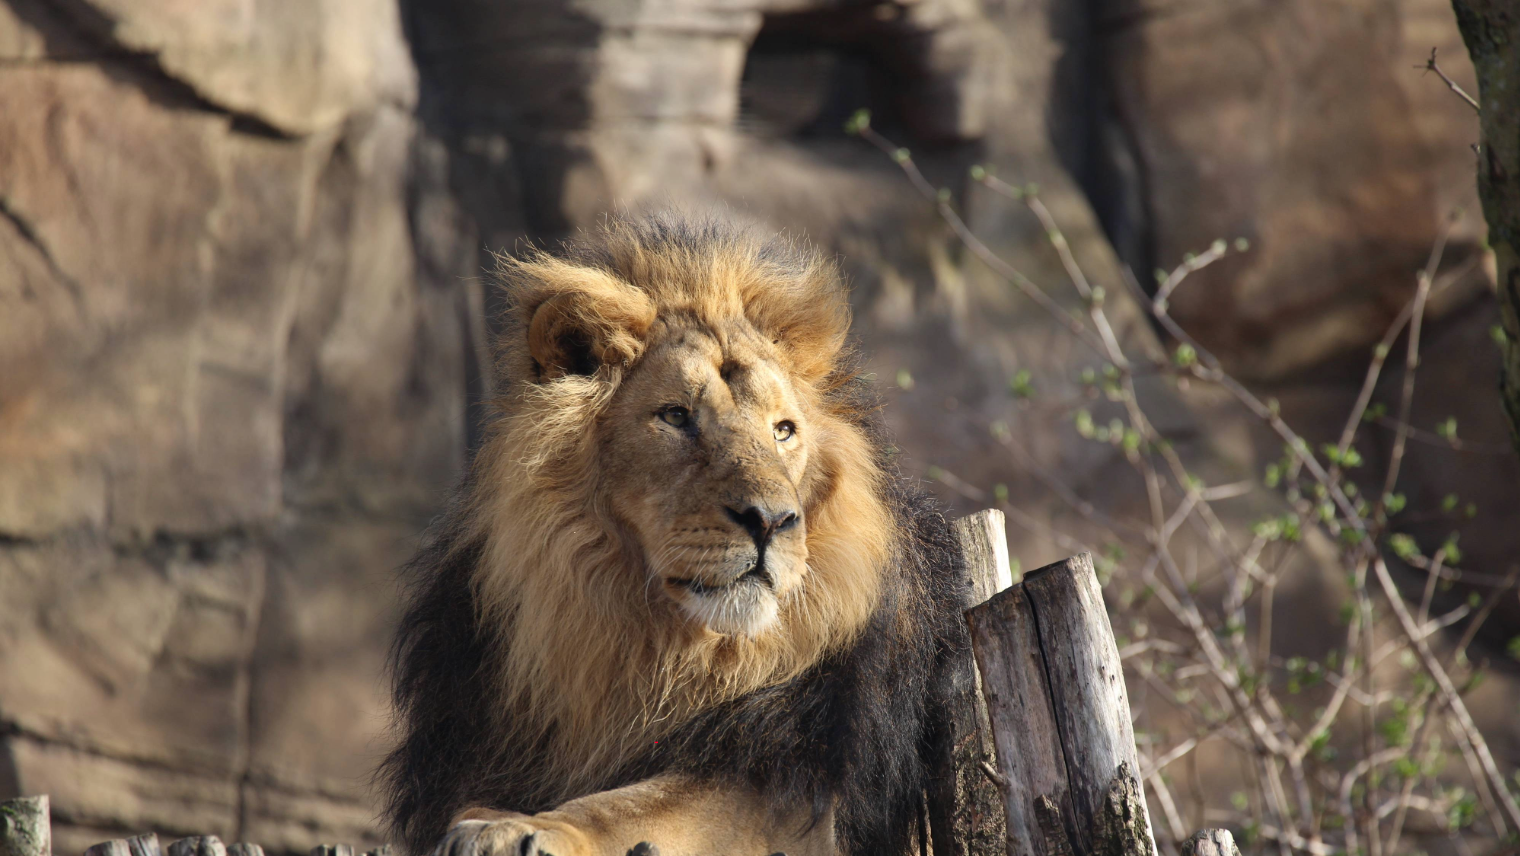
[(1131, 442), (1273, 475), (1403, 546), (1453, 554), (858, 121), (1084, 423), (1020, 384)]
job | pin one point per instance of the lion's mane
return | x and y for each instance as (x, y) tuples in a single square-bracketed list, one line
[(531, 666)]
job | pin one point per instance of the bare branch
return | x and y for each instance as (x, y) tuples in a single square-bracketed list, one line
[(1430, 65)]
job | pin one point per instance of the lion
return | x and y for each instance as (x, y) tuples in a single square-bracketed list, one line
[(683, 596)]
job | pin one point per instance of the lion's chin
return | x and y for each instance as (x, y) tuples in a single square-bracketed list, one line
[(742, 609)]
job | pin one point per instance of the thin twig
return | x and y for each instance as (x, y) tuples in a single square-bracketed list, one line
[(1411, 362), (1430, 65)]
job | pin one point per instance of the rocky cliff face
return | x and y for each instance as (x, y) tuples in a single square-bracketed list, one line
[(242, 323), (228, 401)]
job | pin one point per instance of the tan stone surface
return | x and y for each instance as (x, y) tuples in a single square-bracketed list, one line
[(1309, 129), (227, 404), (298, 65)]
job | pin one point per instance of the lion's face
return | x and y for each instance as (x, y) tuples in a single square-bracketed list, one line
[(677, 449), (708, 442)]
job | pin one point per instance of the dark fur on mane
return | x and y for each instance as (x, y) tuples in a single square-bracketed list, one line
[(852, 732)]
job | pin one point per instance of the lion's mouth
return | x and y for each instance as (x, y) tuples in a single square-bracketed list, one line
[(756, 575), (743, 606)]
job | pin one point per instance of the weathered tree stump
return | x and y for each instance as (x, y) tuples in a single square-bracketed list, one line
[(198, 845), (24, 827), (1210, 842), (966, 815), (1060, 717), (141, 845)]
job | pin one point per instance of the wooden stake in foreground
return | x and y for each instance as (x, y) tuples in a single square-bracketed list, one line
[(965, 806), (1060, 717), (24, 827)]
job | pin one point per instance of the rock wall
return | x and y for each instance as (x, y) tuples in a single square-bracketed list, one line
[(228, 401), (242, 322), (1310, 129)]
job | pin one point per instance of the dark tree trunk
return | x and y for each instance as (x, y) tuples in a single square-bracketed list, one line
[(1491, 29)]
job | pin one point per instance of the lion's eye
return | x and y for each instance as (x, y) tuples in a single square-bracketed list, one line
[(784, 431), (677, 417)]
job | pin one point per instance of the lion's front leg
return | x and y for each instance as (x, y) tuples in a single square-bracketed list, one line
[(677, 815)]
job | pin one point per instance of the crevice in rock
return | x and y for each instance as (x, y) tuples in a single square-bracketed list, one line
[(243, 761), (10, 540), (28, 233), (11, 729), (141, 69), (164, 545)]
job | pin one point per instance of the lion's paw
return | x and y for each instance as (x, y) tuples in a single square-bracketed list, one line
[(516, 836)]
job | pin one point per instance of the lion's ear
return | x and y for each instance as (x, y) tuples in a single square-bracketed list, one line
[(579, 319)]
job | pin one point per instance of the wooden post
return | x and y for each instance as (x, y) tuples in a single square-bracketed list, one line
[(24, 827), (1060, 717), (1210, 842), (142, 845), (198, 845), (965, 806)]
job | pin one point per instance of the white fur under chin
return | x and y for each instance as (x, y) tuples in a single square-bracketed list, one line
[(744, 609)]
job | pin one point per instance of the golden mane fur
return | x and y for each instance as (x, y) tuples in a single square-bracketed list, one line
[(594, 658)]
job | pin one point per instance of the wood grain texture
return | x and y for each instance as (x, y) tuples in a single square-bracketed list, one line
[(965, 806), (25, 828), (984, 538), (1086, 681), (1210, 842), (141, 845), (1027, 741), (198, 845), (114, 847)]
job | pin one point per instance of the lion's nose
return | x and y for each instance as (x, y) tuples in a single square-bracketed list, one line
[(762, 523)]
